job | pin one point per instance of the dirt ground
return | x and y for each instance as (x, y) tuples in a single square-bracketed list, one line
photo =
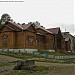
[(58, 69), (7, 59)]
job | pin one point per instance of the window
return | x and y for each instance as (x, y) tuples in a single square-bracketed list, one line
[(4, 40), (30, 39), (31, 29)]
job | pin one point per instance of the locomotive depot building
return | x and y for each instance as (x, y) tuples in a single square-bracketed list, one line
[(17, 37)]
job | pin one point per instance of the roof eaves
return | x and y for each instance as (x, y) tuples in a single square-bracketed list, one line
[(17, 25)]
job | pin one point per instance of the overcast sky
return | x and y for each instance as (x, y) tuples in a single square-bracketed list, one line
[(50, 13)]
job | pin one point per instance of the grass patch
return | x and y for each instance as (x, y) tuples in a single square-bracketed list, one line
[(26, 56), (18, 55), (4, 64)]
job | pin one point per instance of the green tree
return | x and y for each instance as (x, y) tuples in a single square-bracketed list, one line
[(0, 23), (5, 18)]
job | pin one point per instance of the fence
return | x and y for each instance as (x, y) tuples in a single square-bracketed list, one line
[(46, 55)]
